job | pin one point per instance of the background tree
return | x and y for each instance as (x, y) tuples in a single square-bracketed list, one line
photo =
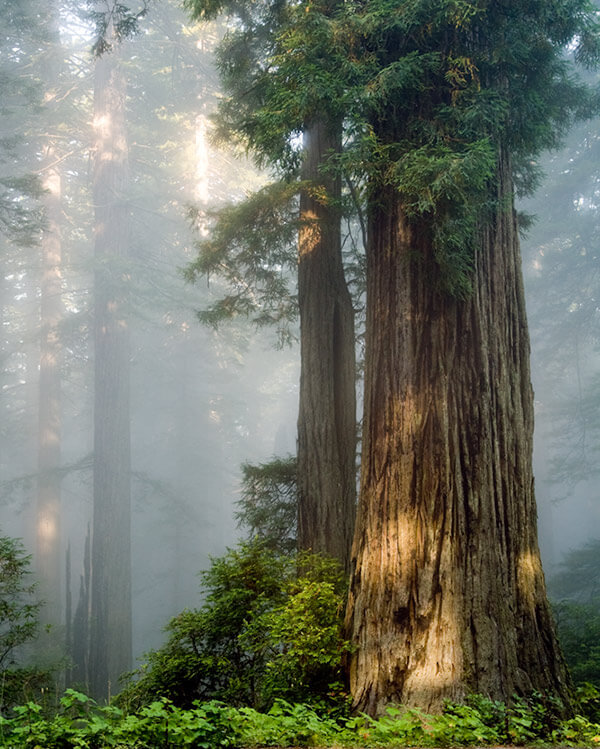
[(268, 508), (110, 638), (20, 219), (19, 613), (49, 558), (561, 275), (19, 185), (327, 409), (576, 598), (192, 419)]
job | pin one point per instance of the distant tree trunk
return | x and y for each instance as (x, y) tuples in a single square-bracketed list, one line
[(48, 537), (80, 628), (48, 557), (327, 411), (447, 594), (110, 638), (68, 615)]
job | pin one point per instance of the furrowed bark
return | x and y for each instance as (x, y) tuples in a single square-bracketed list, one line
[(447, 593), (327, 410)]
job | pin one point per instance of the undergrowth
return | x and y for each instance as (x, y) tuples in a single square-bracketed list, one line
[(80, 722)]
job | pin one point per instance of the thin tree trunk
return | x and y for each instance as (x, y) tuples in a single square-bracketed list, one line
[(48, 536), (447, 594), (80, 639), (327, 410), (110, 639), (48, 557)]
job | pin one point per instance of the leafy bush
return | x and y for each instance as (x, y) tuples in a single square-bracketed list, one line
[(578, 731), (80, 722), (578, 626), (18, 625), (576, 596), (270, 628), (287, 725), (588, 701)]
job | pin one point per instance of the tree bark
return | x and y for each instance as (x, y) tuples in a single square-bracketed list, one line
[(327, 409), (110, 635), (447, 593), (48, 525), (48, 557)]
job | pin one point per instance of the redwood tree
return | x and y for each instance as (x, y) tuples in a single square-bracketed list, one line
[(447, 106), (110, 633), (447, 593), (48, 536), (327, 408), (309, 199)]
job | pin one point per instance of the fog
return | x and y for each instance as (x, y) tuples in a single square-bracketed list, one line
[(204, 400), (560, 262)]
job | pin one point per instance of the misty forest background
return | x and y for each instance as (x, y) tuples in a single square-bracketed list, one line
[(204, 400)]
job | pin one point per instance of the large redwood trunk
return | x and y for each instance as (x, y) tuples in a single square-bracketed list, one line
[(447, 593), (327, 411)]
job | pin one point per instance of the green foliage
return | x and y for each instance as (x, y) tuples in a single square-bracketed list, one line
[(480, 721), (269, 504), (429, 93), (18, 610), (302, 636), (443, 90), (24, 34), (574, 591), (458, 725), (18, 624), (270, 627), (578, 575), (80, 722), (114, 22), (287, 724), (578, 626), (252, 249)]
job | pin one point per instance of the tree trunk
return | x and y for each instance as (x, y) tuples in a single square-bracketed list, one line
[(447, 593), (110, 637), (80, 629), (327, 410), (48, 536), (48, 557)]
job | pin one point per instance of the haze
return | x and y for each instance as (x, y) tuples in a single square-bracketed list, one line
[(198, 401)]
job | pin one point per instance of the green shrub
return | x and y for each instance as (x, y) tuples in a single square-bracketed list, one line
[(286, 725), (80, 722), (574, 591), (578, 626), (578, 731), (19, 610), (588, 701), (270, 627)]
